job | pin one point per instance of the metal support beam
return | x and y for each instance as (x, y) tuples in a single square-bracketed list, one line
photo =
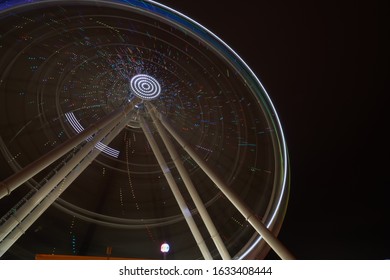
[(191, 188), (175, 190), (14, 181), (57, 190), (267, 235), (48, 187)]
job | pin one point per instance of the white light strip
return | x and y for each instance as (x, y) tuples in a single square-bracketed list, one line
[(106, 149), (79, 128), (74, 122)]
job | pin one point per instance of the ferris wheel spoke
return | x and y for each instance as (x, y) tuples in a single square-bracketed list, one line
[(248, 214), (190, 187)]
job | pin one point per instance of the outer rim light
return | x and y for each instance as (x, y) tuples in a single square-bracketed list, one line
[(282, 143)]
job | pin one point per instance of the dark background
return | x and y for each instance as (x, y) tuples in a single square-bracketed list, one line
[(325, 66)]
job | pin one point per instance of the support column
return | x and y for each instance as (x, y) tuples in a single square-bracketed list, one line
[(14, 181), (191, 188), (27, 207), (175, 190), (23, 226), (267, 235)]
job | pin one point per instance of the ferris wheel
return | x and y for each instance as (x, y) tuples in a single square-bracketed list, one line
[(127, 124)]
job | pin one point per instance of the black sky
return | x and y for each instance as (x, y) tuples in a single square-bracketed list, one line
[(325, 67)]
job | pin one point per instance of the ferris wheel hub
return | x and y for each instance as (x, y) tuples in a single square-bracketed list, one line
[(145, 87)]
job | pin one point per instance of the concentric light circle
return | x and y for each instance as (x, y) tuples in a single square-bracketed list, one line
[(145, 87)]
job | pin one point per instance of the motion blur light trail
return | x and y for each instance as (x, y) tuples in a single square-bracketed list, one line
[(64, 65)]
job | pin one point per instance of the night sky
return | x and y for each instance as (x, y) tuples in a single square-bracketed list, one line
[(322, 65)]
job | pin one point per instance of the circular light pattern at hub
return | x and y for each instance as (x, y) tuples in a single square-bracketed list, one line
[(67, 64), (145, 87)]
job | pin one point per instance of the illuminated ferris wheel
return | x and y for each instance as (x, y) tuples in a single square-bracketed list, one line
[(127, 124)]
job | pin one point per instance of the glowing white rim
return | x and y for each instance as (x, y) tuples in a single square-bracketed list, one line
[(79, 128), (276, 117), (145, 87)]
